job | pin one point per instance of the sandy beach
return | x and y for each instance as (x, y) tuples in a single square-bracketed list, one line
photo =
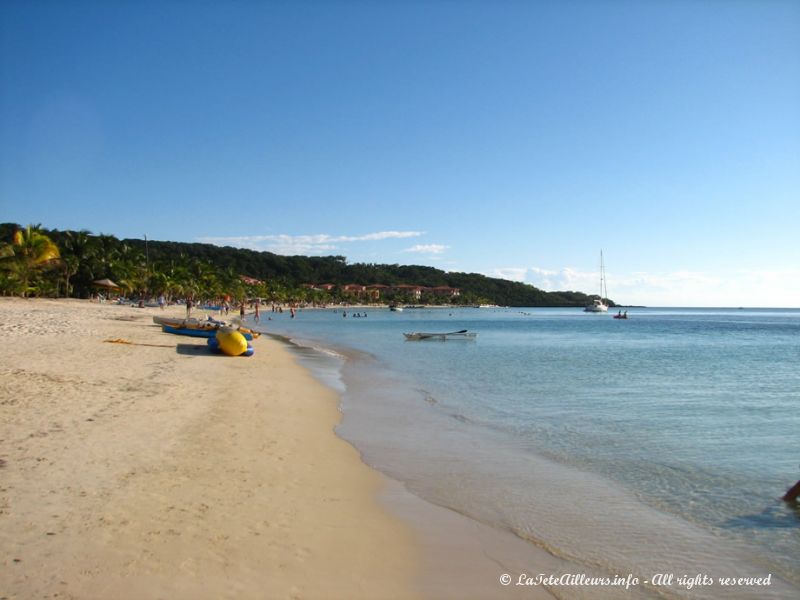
[(157, 470), (136, 464)]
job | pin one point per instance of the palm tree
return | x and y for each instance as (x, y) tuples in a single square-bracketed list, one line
[(130, 270), (183, 282), (106, 255), (30, 252), (9, 283), (158, 282), (278, 292), (76, 250)]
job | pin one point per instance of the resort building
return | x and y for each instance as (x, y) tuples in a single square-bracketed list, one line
[(374, 291), (320, 287), (415, 291), (354, 289), (250, 280), (444, 290)]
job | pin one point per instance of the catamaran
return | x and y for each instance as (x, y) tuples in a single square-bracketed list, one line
[(598, 304)]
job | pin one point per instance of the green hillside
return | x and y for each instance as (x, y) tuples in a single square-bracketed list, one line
[(177, 268)]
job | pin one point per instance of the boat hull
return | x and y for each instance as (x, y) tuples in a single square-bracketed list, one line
[(191, 323), (203, 333), (595, 308), (420, 336)]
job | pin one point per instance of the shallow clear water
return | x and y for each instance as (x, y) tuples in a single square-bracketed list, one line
[(659, 443)]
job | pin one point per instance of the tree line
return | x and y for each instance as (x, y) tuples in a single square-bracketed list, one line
[(35, 261)]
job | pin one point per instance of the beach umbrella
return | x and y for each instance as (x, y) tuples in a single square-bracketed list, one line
[(106, 283)]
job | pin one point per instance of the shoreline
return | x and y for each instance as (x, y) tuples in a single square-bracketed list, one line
[(156, 469), (367, 429), (462, 558)]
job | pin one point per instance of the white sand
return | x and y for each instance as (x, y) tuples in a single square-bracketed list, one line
[(159, 470)]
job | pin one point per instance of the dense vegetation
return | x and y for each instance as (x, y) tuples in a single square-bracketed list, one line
[(36, 261)]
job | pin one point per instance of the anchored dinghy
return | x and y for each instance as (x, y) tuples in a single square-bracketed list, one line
[(451, 335)]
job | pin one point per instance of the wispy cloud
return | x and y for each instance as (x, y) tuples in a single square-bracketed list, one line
[(740, 287), (550, 280), (753, 287), (433, 249), (313, 244)]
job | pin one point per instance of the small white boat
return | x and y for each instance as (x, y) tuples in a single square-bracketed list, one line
[(451, 335), (596, 306), (395, 308)]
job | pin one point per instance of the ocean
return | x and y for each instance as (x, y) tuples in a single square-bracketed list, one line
[(660, 444)]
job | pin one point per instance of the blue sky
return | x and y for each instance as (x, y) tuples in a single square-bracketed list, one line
[(515, 139)]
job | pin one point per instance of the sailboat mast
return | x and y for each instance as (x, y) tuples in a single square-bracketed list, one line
[(603, 288)]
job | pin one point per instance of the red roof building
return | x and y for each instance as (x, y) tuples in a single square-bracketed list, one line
[(444, 290)]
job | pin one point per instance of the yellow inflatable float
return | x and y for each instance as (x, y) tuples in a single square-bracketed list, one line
[(231, 342)]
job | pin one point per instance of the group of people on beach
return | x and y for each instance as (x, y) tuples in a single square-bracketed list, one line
[(225, 307)]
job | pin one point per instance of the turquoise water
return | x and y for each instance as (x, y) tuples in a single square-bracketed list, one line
[(658, 444)]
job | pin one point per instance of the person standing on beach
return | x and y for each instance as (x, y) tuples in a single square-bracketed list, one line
[(241, 310), (256, 316), (188, 307)]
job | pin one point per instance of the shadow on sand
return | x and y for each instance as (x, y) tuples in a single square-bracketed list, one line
[(192, 349)]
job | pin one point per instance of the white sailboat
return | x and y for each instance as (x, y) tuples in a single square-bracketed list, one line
[(598, 305)]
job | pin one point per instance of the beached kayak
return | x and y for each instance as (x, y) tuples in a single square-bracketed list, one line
[(200, 327), (191, 323), (205, 332)]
